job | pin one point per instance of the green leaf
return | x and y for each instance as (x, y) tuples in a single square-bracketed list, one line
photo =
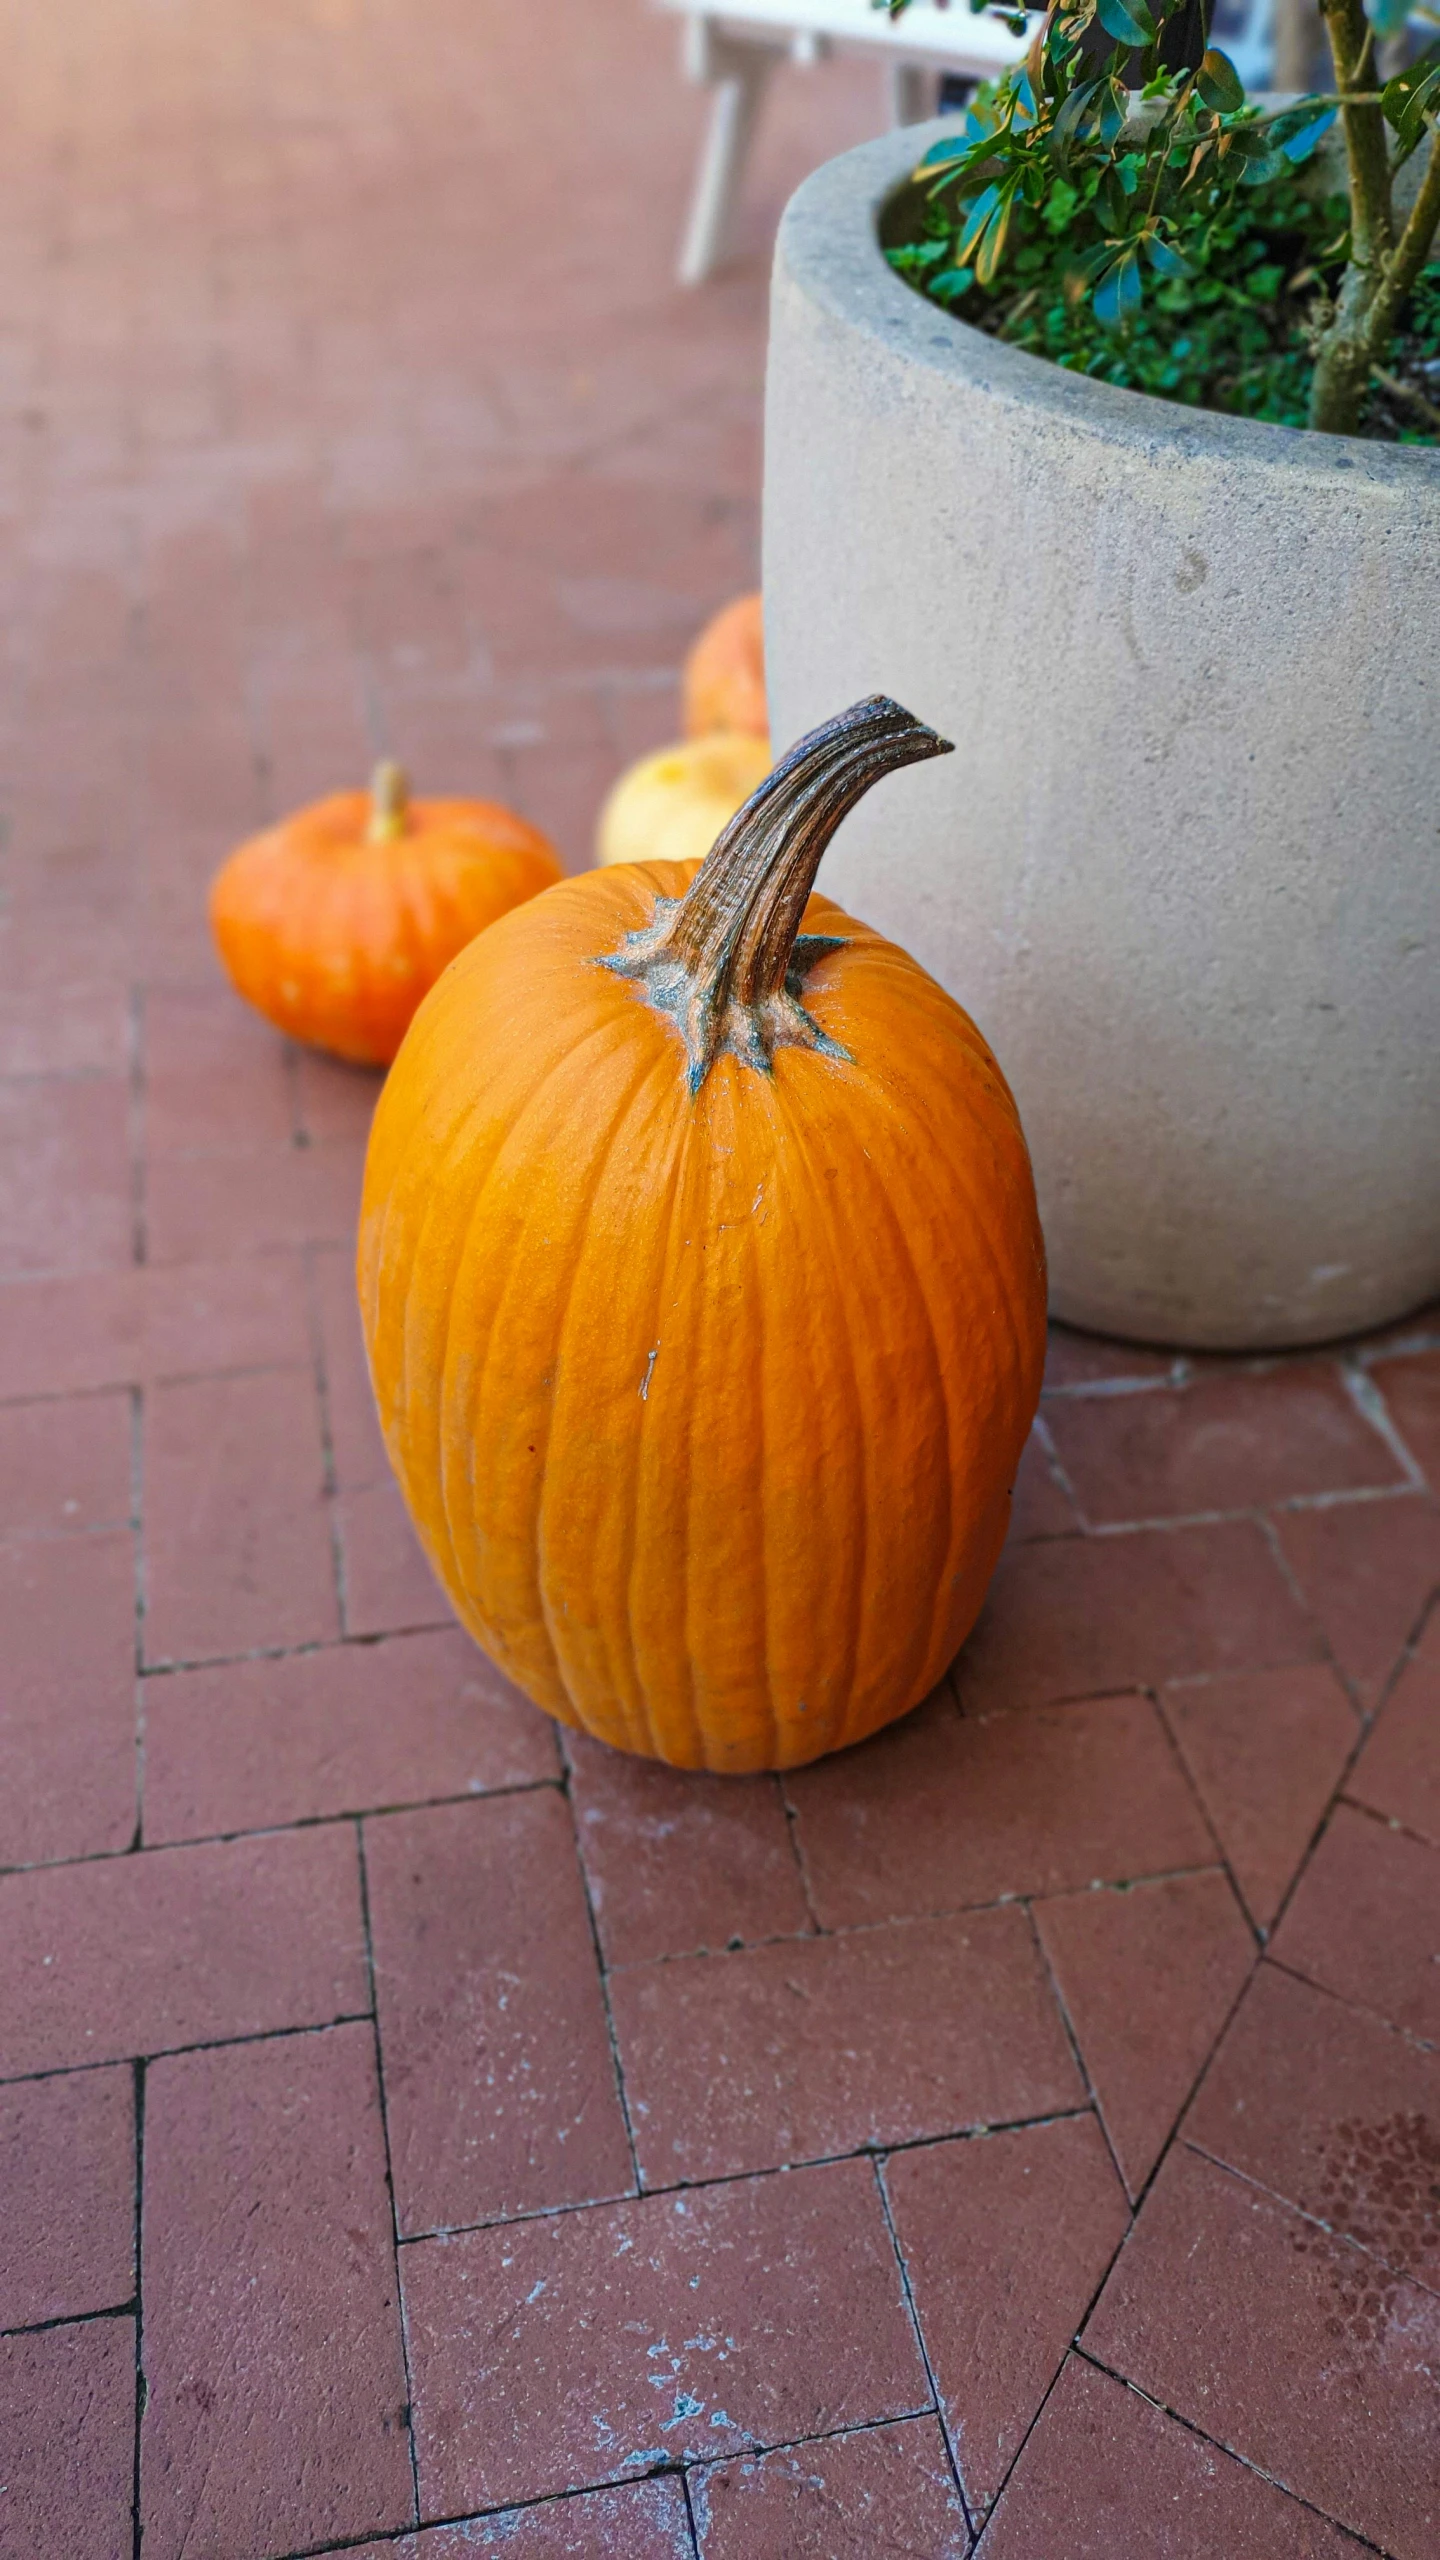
[(1413, 97), (975, 223), (1297, 139), (1165, 260), (1219, 83), (1112, 194), (1119, 296), (1128, 21), (1069, 121), (1114, 111), (1388, 17), (951, 283), (1249, 149), (992, 247)]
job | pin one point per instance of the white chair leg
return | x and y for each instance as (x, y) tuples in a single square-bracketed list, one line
[(910, 92), (737, 96)]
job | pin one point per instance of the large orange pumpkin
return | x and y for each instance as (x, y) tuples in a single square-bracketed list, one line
[(704, 1291), (335, 923), (723, 686)]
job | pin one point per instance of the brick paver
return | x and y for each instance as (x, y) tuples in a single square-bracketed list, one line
[(67, 1707), (1148, 1978), (1005, 2241), (276, 2407), (1333, 2111), (67, 2173), (145, 1954), (879, 2489), (946, 1811), (805, 2048), (1106, 2471), (1073, 1617), (1367, 1570), (1292, 2347), (345, 1728), (501, 2083), (1398, 1772), (566, 2352), (67, 2425), (1365, 1921), (1230, 1442), (237, 1547), (1266, 1750), (648, 2521), (676, 1865), (419, 2128)]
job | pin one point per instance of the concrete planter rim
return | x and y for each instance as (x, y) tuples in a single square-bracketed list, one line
[(829, 239)]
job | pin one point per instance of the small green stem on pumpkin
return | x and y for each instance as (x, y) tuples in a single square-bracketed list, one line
[(728, 959), (389, 803)]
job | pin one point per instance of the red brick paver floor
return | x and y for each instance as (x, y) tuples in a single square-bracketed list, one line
[(423, 2133)]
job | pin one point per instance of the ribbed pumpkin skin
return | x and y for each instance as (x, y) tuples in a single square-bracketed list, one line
[(336, 939), (707, 1409), (723, 686)]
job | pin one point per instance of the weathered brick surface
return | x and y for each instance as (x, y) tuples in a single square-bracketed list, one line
[(1005, 2241), (815, 2046), (1266, 1750), (67, 2173), (1291, 2347), (275, 2381), (501, 2084), (179, 1946), (884, 2489), (1106, 2473), (237, 1546), (564, 2352), (67, 2425), (1148, 1978), (343, 417), (944, 1811), (352, 1728), (67, 1702)]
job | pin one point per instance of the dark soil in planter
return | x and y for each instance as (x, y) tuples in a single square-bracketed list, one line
[(1232, 335)]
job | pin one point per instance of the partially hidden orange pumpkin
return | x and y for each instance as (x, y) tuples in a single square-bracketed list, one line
[(723, 686), (335, 923), (704, 1291)]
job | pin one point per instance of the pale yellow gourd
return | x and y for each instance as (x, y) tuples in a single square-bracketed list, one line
[(670, 807)]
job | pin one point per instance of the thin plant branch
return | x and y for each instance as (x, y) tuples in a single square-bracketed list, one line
[(1407, 392)]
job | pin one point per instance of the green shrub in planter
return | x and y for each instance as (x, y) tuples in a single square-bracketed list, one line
[(1148, 225)]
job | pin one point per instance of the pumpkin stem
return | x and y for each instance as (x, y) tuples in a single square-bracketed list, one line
[(389, 803), (728, 960)]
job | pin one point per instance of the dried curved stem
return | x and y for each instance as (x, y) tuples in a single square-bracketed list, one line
[(728, 960)]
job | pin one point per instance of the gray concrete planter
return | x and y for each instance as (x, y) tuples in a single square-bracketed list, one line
[(1185, 869)]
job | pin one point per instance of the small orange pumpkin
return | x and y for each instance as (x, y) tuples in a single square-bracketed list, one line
[(704, 1291), (335, 923), (723, 686)]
